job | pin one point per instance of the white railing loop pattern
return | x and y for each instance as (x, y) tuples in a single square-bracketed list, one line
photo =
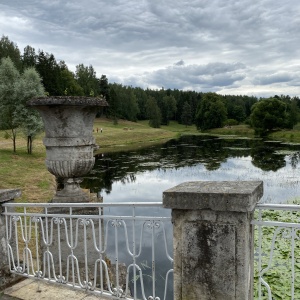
[(103, 249)]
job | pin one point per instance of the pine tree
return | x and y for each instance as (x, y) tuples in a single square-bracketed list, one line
[(153, 113), (186, 116)]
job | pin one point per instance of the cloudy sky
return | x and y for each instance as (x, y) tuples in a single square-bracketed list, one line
[(249, 47)]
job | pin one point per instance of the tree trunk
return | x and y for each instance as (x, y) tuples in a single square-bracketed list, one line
[(14, 136), (29, 144)]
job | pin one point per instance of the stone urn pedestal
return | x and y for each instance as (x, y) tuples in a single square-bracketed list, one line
[(69, 140)]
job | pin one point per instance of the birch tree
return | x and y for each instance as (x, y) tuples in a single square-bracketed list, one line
[(9, 77), (29, 86)]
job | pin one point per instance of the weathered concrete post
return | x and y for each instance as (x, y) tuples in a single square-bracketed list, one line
[(213, 239), (6, 277)]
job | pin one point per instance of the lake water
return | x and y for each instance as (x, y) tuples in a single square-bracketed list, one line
[(143, 174)]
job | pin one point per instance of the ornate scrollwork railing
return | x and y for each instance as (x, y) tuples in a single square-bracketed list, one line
[(119, 250)]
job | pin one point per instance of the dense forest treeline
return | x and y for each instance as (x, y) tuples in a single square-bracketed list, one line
[(205, 110)]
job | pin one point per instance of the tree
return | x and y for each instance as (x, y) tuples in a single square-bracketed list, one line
[(124, 104), (68, 83), (86, 78), (168, 109), (28, 87), (142, 100), (9, 76), (267, 115), (29, 58), (186, 116), (130, 106), (113, 105), (15, 91), (104, 87), (293, 114), (10, 49), (50, 73), (211, 112), (153, 113)]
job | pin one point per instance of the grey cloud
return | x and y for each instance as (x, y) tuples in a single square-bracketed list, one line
[(179, 63), (123, 38), (273, 78), (201, 77)]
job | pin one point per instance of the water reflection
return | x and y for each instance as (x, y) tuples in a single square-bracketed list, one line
[(143, 175), (266, 158)]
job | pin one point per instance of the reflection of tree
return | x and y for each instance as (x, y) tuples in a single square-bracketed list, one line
[(213, 154), (264, 158), (129, 178), (187, 151), (109, 169), (123, 166), (191, 151), (295, 158)]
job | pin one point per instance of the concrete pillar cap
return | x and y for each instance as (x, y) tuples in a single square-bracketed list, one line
[(239, 196)]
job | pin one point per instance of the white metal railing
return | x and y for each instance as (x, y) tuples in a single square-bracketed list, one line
[(122, 250), (117, 250), (277, 252)]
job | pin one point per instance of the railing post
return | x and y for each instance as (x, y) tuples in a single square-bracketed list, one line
[(6, 277), (213, 238)]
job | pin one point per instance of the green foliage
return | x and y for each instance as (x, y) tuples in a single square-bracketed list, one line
[(123, 102), (50, 73), (267, 115), (279, 275), (130, 108), (113, 105), (292, 114), (104, 87), (142, 98), (15, 90), (11, 50), (86, 78), (29, 58), (68, 83), (237, 107), (186, 116), (153, 113), (231, 122), (28, 87), (211, 112), (168, 109), (9, 77)]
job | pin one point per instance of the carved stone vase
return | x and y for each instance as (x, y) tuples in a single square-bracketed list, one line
[(69, 140)]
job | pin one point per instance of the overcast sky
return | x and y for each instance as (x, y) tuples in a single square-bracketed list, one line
[(248, 47)]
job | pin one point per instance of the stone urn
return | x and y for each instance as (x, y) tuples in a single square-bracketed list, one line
[(69, 140)]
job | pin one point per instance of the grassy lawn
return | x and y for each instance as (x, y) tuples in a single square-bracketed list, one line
[(238, 130), (28, 172), (129, 135), (291, 136)]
